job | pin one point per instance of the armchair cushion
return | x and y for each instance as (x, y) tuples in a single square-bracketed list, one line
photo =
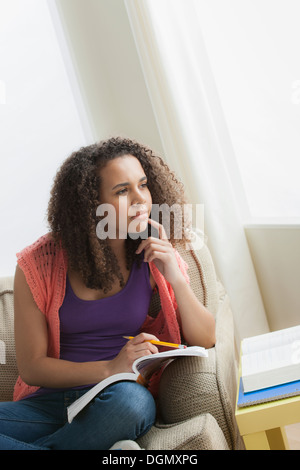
[(8, 370)]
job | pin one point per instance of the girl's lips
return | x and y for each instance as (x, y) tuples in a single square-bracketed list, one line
[(140, 215)]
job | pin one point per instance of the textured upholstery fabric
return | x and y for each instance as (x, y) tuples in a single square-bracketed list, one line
[(8, 371), (201, 432)]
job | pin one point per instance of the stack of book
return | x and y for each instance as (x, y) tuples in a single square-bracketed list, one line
[(270, 367)]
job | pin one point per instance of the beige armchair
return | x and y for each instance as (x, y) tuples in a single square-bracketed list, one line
[(197, 395)]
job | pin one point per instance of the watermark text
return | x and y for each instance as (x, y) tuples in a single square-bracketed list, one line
[(133, 222)]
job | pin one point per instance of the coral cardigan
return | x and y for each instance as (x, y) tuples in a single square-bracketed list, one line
[(44, 264)]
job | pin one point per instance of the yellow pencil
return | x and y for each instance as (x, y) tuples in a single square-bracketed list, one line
[(161, 343)]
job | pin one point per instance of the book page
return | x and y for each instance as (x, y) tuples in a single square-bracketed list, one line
[(266, 360), (270, 340), (153, 361)]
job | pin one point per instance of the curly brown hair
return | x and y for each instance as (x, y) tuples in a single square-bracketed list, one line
[(75, 197)]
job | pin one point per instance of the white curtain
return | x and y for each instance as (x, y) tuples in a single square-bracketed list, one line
[(196, 142)]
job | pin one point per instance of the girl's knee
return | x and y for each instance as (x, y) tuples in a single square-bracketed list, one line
[(140, 399), (133, 403)]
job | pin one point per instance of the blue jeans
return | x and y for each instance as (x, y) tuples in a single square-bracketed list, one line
[(125, 410)]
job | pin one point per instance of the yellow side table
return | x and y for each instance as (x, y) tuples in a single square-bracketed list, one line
[(262, 426)]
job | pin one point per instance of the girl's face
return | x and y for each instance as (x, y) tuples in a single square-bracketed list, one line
[(124, 186)]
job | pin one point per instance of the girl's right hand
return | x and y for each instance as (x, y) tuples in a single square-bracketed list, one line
[(137, 347)]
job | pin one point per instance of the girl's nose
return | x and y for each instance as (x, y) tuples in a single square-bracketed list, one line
[(138, 198)]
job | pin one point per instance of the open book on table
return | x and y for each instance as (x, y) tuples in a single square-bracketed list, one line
[(143, 368), (271, 359)]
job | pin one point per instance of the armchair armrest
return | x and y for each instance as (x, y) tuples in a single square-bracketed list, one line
[(195, 386), (8, 366), (201, 432)]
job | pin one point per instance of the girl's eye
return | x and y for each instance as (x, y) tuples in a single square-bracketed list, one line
[(122, 191)]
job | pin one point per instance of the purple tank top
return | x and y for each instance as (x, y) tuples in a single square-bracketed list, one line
[(93, 330)]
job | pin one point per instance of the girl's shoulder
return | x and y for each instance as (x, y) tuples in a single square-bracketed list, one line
[(44, 244), (44, 264), (42, 258)]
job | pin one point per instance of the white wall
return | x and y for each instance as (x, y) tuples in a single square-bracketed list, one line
[(39, 122), (275, 252)]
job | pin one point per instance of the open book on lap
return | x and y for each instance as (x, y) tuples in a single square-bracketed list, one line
[(142, 370)]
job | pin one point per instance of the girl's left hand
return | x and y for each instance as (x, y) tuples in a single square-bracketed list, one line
[(161, 252)]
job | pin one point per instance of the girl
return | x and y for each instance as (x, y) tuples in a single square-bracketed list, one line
[(78, 292)]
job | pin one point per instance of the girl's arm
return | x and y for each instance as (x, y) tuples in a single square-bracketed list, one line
[(197, 323), (36, 368)]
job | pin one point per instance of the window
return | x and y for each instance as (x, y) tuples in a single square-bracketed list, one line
[(253, 49)]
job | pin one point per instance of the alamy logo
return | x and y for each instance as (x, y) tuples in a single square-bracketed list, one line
[(2, 353), (134, 221)]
